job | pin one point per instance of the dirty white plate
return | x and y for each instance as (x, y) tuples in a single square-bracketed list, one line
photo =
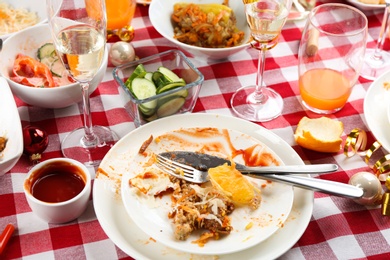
[(126, 234), (151, 215)]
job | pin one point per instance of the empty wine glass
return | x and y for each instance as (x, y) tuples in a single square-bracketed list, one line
[(266, 19), (377, 61), (78, 29)]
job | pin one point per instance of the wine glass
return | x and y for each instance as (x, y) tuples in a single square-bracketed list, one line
[(377, 61), (78, 29), (330, 56), (266, 19)]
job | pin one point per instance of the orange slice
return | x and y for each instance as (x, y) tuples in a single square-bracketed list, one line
[(319, 134), (233, 184)]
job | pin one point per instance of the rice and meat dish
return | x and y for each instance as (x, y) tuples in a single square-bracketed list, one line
[(15, 19), (193, 207), (206, 25)]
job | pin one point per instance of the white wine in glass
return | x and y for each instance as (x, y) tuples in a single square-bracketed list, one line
[(266, 19), (78, 29)]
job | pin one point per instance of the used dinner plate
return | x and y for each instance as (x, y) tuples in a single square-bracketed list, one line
[(366, 7), (151, 214), (376, 106), (10, 129), (131, 239)]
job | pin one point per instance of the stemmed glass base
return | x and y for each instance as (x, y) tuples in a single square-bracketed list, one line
[(90, 152), (374, 66), (257, 107)]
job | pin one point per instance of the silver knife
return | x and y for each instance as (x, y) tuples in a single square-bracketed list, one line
[(203, 162)]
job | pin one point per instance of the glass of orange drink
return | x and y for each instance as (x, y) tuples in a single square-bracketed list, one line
[(120, 13), (330, 56)]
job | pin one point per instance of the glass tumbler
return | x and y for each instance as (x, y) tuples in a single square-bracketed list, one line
[(330, 56)]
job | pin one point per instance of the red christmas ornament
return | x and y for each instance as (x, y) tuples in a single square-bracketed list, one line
[(35, 142)]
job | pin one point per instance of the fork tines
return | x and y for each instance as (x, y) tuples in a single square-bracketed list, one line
[(176, 169)]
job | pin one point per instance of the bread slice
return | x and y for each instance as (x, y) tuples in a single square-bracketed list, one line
[(319, 134)]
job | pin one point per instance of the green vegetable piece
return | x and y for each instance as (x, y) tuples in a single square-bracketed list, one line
[(139, 72)]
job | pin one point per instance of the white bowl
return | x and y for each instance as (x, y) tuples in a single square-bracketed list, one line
[(160, 16), (64, 211), (10, 128), (36, 6), (27, 42)]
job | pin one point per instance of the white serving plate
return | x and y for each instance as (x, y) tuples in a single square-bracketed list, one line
[(10, 127), (376, 109), (124, 232)]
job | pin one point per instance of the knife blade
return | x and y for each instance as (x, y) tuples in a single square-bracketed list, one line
[(203, 162)]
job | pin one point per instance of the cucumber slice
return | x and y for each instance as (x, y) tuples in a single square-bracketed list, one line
[(159, 79), (151, 118), (46, 51), (139, 72), (169, 74), (170, 107), (149, 76), (57, 68), (145, 111), (181, 93), (170, 86), (143, 88)]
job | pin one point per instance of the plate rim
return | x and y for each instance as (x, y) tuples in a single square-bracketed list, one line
[(8, 162), (366, 7), (375, 89), (303, 199)]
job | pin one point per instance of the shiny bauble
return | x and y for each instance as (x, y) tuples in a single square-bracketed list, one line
[(121, 53), (372, 188), (35, 142)]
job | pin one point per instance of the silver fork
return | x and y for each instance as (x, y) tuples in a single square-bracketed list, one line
[(191, 174)]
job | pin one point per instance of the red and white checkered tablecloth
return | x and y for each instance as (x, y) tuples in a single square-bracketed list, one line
[(338, 229)]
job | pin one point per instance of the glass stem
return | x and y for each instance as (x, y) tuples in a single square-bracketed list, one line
[(89, 138), (259, 95), (384, 32)]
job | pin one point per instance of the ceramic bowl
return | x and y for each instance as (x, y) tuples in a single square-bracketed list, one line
[(27, 42), (58, 190), (160, 12), (35, 6)]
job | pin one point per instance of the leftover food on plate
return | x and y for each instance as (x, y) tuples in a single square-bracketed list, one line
[(206, 25), (15, 19), (46, 71), (202, 211)]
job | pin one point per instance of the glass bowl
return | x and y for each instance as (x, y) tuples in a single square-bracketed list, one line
[(174, 101)]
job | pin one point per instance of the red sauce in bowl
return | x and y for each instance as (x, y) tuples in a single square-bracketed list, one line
[(57, 182)]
